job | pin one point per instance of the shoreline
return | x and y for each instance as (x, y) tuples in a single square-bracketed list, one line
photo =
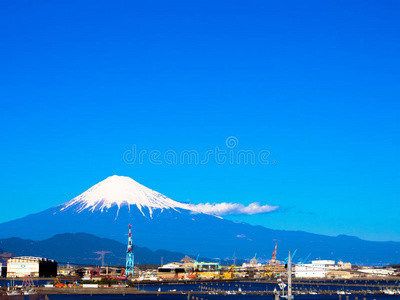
[(134, 291)]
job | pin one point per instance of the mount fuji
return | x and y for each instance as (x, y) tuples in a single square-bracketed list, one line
[(119, 191), (158, 222)]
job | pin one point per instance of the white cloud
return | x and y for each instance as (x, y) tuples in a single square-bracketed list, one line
[(225, 208)]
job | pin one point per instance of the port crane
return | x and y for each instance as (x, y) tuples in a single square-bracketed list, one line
[(304, 261), (129, 269), (291, 257), (229, 274), (253, 261), (273, 260), (102, 254)]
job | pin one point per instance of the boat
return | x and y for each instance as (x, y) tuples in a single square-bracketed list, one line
[(13, 293), (388, 292), (12, 290), (313, 293), (30, 292)]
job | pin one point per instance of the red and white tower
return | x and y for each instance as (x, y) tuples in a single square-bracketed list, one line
[(129, 255)]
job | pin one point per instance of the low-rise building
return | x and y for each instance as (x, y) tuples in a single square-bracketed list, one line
[(377, 272), (206, 269), (65, 270), (317, 269), (173, 270), (31, 266), (339, 275), (343, 266), (276, 268)]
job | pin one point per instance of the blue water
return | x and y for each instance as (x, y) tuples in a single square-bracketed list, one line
[(252, 286), (234, 286), (19, 282), (269, 286)]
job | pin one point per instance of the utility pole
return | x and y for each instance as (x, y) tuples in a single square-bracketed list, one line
[(282, 285), (289, 295)]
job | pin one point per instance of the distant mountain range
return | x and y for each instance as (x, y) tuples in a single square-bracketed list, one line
[(81, 248), (158, 222)]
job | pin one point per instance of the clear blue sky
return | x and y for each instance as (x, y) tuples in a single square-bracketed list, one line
[(314, 82)]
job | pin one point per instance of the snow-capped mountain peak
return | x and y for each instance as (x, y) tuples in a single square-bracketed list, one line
[(121, 191)]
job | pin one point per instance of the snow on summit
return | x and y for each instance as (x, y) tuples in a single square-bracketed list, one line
[(121, 191), (124, 191)]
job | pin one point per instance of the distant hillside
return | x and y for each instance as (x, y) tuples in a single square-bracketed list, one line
[(158, 222), (79, 248)]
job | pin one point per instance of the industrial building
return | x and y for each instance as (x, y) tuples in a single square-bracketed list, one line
[(275, 269), (31, 266), (377, 271), (206, 269), (343, 266), (321, 269), (317, 269), (340, 275), (173, 270)]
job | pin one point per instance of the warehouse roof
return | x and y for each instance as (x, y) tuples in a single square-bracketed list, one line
[(30, 258)]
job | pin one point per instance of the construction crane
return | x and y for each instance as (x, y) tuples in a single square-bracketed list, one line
[(59, 284), (229, 274), (27, 283), (273, 260)]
